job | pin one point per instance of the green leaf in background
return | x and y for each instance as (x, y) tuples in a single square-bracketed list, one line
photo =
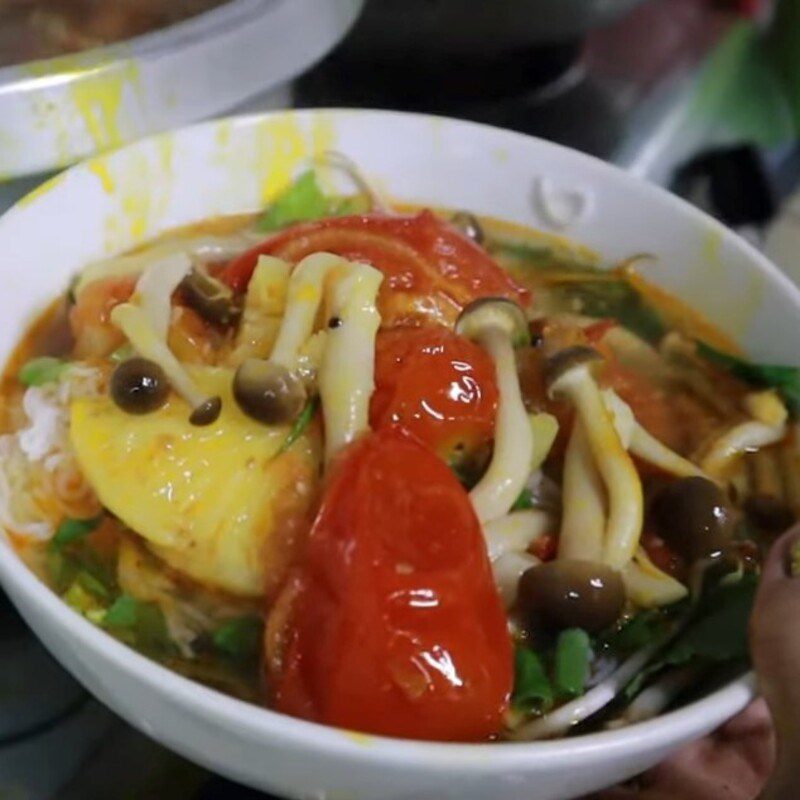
[(572, 661), (532, 688), (740, 93), (240, 638), (785, 379), (302, 201), (783, 53), (41, 370), (70, 530)]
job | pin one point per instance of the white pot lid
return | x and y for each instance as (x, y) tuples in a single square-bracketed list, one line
[(57, 111)]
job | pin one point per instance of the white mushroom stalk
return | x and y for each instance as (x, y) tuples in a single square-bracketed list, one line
[(507, 570), (515, 532), (767, 427), (341, 163), (199, 248), (558, 722), (347, 371), (264, 306), (496, 323), (648, 586), (570, 377), (643, 444), (303, 299), (153, 293), (654, 699), (583, 520)]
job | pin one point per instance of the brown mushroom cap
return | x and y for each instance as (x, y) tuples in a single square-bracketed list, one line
[(493, 312), (564, 361)]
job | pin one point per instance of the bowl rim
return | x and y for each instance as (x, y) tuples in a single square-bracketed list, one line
[(262, 723)]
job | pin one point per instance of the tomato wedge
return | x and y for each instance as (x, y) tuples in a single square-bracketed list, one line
[(396, 627), (432, 270), (439, 386)]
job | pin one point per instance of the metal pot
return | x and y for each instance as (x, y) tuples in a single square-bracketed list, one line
[(391, 28)]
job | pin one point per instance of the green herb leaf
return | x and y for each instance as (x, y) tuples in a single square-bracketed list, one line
[(140, 624), (123, 613), (300, 424), (716, 634), (302, 201), (532, 688), (240, 637), (572, 661), (524, 501), (616, 299), (785, 379), (41, 370), (639, 631), (70, 530)]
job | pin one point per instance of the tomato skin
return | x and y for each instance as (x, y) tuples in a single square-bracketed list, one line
[(439, 386), (432, 270), (397, 628)]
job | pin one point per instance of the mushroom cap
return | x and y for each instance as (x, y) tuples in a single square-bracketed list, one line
[(493, 312), (567, 360)]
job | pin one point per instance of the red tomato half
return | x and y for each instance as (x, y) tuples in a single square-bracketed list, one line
[(432, 270), (396, 627), (439, 386)]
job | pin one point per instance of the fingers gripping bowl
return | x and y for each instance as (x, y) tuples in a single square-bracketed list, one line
[(553, 413)]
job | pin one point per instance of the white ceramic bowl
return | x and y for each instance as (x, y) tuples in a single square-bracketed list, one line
[(118, 200)]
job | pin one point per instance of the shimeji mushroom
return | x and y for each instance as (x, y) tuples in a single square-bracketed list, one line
[(303, 299), (643, 444), (137, 327), (569, 376), (583, 518), (497, 324), (767, 426), (507, 541), (347, 371)]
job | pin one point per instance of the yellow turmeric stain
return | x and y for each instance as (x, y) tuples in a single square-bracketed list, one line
[(99, 167), (98, 99), (358, 738), (281, 148)]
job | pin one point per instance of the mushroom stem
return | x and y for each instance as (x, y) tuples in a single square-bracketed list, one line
[(347, 371), (508, 471), (303, 299), (515, 532), (583, 519), (649, 587), (133, 322), (625, 500), (507, 570), (644, 445), (742, 438)]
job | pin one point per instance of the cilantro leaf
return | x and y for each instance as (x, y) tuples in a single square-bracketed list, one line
[(785, 379)]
